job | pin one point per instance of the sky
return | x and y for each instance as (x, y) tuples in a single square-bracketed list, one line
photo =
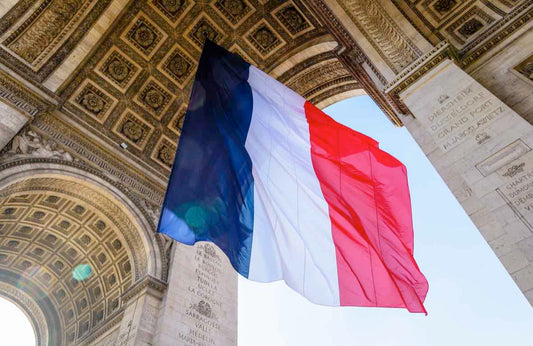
[(15, 328), (472, 300)]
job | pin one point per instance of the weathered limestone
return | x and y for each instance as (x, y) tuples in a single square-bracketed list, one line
[(100, 89), (139, 323), (501, 74), (11, 121), (84, 48), (482, 149), (200, 304)]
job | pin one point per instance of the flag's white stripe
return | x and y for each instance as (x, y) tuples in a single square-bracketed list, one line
[(292, 237)]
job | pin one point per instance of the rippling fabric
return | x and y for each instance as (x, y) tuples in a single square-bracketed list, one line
[(289, 194), (210, 192)]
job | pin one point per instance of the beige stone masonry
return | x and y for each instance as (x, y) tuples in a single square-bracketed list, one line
[(6, 5), (483, 151), (200, 305), (11, 121), (82, 50)]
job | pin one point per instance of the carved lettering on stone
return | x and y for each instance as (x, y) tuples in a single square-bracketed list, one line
[(461, 115)]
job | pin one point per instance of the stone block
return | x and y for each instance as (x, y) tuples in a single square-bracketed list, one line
[(514, 260), (526, 246), (524, 278)]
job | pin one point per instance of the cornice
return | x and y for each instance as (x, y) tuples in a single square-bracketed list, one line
[(156, 286), (20, 97), (418, 68), (353, 58), (495, 35)]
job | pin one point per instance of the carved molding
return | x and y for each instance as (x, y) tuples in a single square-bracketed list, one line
[(18, 96), (80, 146), (157, 287), (496, 34), (418, 68), (35, 47), (353, 58), (382, 32)]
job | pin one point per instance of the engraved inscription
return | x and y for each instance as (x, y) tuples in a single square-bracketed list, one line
[(202, 315), (462, 116), (518, 189), (503, 157)]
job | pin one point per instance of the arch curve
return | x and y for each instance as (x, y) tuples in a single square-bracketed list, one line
[(77, 239)]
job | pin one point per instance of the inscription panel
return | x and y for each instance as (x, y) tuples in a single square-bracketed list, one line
[(517, 191), (463, 115), (482, 149), (205, 296)]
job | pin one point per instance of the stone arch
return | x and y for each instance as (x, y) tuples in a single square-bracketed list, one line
[(58, 220), (314, 71)]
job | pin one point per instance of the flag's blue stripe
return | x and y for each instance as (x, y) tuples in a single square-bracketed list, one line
[(210, 192)]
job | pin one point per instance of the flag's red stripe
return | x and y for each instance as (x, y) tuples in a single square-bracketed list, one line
[(370, 211)]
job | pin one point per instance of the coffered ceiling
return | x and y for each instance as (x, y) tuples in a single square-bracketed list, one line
[(133, 87)]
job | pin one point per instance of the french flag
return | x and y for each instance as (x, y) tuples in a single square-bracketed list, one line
[(289, 194)]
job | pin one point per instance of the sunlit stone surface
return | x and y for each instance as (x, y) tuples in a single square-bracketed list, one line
[(93, 95)]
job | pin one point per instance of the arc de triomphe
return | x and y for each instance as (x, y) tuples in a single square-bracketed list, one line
[(92, 98)]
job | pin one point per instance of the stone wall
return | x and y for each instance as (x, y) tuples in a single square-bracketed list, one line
[(482, 150)]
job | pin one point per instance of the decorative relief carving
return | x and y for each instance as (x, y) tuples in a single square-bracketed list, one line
[(144, 35), (176, 123), (494, 34), (178, 65), (388, 39), (470, 27), (203, 308), (482, 138), (116, 68), (438, 10), (514, 170), (469, 24), (234, 11), (204, 28), (107, 84), (93, 101), (39, 36), (30, 144), (264, 39), (152, 210), (525, 69), (292, 19), (154, 98), (15, 94), (444, 6), (510, 3), (164, 152), (107, 165), (133, 129), (172, 10), (319, 75), (418, 68)]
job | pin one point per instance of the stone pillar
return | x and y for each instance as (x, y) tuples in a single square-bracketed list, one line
[(11, 121), (200, 304), (141, 308), (483, 151)]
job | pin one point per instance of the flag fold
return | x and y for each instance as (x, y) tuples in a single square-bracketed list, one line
[(289, 194)]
